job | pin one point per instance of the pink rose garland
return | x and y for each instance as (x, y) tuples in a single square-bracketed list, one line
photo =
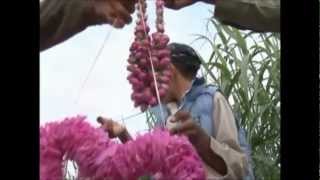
[(170, 157)]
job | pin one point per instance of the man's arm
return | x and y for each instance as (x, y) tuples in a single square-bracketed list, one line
[(225, 144), (61, 19), (256, 15), (57, 23), (211, 158)]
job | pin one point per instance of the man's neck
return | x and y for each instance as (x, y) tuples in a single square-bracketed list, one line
[(183, 87)]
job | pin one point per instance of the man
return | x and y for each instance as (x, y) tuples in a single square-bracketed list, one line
[(201, 113), (256, 15), (61, 19)]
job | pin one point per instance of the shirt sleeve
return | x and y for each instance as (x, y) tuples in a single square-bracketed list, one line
[(256, 15), (225, 144)]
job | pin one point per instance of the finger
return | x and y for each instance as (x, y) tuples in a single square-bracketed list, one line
[(183, 126), (129, 5), (100, 120), (107, 127), (102, 12), (103, 120), (104, 124), (118, 23), (183, 3), (121, 12), (104, 128), (173, 119), (177, 4), (110, 132), (107, 124), (111, 18), (182, 116), (169, 4), (189, 133)]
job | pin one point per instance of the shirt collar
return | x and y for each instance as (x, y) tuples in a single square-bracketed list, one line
[(194, 83)]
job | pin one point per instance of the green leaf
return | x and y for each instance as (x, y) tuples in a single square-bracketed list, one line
[(246, 65), (232, 83)]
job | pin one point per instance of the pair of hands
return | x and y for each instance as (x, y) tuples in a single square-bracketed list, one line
[(118, 12), (187, 126), (61, 19)]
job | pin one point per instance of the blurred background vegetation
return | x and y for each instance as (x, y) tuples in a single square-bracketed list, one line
[(246, 65)]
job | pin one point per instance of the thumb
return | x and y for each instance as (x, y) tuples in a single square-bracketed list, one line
[(182, 115), (107, 123), (177, 4), (102, 120)]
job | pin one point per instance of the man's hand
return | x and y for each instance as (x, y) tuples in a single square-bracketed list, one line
[(89, 12), (178, 4), (114, 12), (200, 140), (187, 126), (113, 128), (61, 19)]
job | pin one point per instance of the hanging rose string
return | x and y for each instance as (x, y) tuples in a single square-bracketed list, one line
[(149, 79)]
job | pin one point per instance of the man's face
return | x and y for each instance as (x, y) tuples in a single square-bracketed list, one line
[(171, 94)]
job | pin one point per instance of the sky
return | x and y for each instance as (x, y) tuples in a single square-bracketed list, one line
[(64, 67)]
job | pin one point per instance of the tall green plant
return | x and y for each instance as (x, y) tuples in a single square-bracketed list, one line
[(246, 66)]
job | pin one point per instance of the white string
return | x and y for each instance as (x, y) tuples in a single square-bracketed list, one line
[(152, 68), (122, 120), (90, 71), (95, 60)]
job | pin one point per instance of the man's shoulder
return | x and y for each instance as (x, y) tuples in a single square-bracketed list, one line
[(206, 93), (213, 91), (210, 89)]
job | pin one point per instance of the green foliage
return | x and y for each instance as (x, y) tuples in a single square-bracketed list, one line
[(246, 66)]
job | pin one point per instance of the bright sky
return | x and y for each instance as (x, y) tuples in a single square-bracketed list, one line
[(64, 67)]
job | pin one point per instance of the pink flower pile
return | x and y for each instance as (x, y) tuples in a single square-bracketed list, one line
[(99, 158), (144, 49)]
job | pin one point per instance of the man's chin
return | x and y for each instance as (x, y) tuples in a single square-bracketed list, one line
[(165, 100)]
